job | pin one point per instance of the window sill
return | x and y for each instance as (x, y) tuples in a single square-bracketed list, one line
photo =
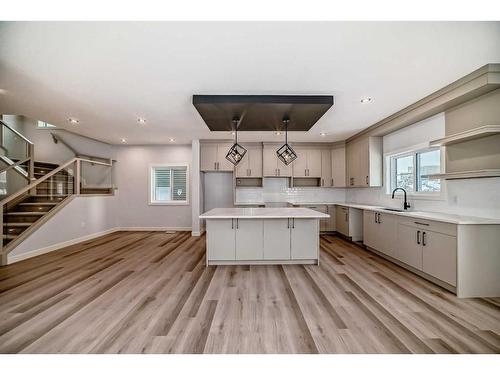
[(184, 203)]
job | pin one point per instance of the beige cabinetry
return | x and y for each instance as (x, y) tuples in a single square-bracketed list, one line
[(380, 231), (272, 166), (308, 162), (430, 247), (364, 162), (213, 157), (251, 164), (349, 222), (326, 168), (338, 164)]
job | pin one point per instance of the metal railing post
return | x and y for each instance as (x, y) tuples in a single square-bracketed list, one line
[(3, 257), (77, 177)]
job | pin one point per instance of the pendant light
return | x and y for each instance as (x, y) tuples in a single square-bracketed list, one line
[(285, 153), (236, 152)]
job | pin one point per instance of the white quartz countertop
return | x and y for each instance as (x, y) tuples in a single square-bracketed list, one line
[(426, 215), (263, 213)]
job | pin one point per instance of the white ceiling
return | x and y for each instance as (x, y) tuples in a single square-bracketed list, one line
[(110, 73)]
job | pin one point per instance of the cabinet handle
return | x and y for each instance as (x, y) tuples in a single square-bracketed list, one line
[(423, 238), (426, 224), (288, 223), (418, 237), (378, 214), (279, 172), (332, 181), (232, 223), (367, 180), (375, 217), (293, 223), (276, 171), (215, 165), (346, 217), (237, 223), (322, 182)]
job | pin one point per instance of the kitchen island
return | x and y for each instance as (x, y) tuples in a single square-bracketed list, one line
[(262, 235)]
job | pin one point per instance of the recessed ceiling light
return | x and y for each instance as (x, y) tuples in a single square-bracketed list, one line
[(366, 100), (73, 121), (278, 133), (322, 134), (124, 140), (141, 120), (233, 133), (172, 140), (2, 91)]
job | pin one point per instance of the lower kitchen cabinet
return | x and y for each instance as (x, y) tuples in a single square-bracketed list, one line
[(409, 249), (439, 256), (249, 239), (277, 239), (221, 239), (304, 233), (380, 231), (349, 222)]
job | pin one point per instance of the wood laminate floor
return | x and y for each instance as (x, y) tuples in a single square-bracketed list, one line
[(150, 292)]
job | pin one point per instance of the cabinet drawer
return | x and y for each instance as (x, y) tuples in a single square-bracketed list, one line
[(435, 226)]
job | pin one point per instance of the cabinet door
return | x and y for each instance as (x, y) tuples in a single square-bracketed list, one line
[(270, 162), (277, 239), (363, 162), (326, 168), (350, 162), (300, 164), (284, 170), (370, 228), (255, 161), (409, 248), (314, 162), (208, 157), (242, 169), (331, 212), (323, 223), (338, 167), (439, 256), (304, 239), (387, 234), (221, 239), (249, 239), (342, 220), (224, 164)]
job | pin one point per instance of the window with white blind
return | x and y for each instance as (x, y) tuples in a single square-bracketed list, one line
[(169, 184)]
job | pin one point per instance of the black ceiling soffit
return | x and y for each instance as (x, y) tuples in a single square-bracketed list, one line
[(262, 112)]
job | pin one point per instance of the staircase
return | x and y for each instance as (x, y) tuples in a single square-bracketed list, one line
[(26, 211)]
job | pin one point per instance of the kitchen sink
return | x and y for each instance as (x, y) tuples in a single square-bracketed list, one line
[(393, 209)]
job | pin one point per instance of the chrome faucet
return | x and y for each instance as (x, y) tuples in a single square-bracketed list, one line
[(406, 205)]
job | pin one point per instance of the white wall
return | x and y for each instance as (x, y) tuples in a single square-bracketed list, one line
[(80, 219), (132, 176)]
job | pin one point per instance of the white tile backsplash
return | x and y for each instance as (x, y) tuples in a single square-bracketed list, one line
[(277, 190)]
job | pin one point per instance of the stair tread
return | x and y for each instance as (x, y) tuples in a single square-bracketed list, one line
[(28, 213), (17, 224), (9, 236), (37, 203)]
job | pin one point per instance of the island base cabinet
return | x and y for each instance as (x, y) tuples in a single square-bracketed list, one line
[(304, 242), (439, 256), (249, 239), (277, 239), (221, 239)]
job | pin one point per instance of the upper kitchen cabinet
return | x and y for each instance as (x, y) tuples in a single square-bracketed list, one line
[(308, 162), (364, 162), (338, 164), (251, 164), (326, 168), (213, 157), (272, 166)]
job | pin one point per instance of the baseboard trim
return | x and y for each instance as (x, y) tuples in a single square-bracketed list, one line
[(159, 229), (17, 258)]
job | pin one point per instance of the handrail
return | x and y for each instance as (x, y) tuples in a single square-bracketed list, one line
[(57, 138), (47, 176), (16, 132), (15, 165)]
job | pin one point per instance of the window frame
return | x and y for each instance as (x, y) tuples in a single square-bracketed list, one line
[(390, 172), (152, 202)]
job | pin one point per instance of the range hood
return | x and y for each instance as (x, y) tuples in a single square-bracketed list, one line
[(262, 112)]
